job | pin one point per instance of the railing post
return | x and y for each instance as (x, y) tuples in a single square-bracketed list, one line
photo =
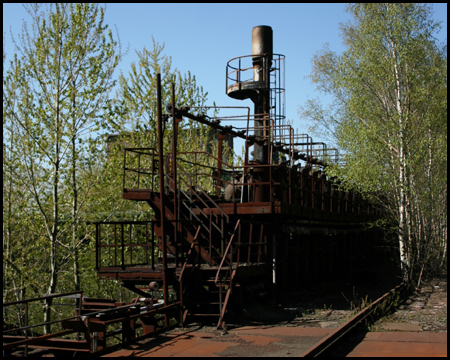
[(115, 244), (290, 185), (153, 169), (124, 166), (220, 301), (261, 236), (80, 299), (338, 201), (123, 247), (26, 330), (97, 246), (331, 197), (323, 193), (210, 237), (174, 174), (238, 249), (302, 192), (146, 243), (139, 170), (346, 202), (250, 236), (161, 190), (129, 240), (153, 245), (238, 76), (220, 138)]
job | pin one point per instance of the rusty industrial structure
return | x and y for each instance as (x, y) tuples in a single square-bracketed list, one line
[(221, 232)]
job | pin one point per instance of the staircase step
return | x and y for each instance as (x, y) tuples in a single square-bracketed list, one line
[(204, 296), (224, 283), (253, 243), (206, 303)]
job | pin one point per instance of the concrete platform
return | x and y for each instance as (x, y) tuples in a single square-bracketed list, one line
[(401, 344)]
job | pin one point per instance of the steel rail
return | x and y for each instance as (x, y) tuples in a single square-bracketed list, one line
[(334, 339), (33, 340), (44, 297)]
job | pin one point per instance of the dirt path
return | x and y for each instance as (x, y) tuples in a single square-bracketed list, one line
[(426, 310)]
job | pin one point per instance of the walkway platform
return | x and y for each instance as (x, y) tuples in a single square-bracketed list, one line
[(247, 341), (401, 344)]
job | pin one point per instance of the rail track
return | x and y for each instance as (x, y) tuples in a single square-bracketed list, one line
[(248, 339), (266, 338), (331, 343), (286, 341)]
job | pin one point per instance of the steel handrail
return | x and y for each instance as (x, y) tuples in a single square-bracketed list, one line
[(45, 297), (238, 223), (204, 194), (140, 151)]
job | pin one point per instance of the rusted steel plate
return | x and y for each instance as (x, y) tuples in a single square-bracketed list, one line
[(245, 341), (425, 337), (402, 344), (137, 194), (137, 275), (284, 330)]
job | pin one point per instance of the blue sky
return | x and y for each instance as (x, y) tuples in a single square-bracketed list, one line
[(203, 37)]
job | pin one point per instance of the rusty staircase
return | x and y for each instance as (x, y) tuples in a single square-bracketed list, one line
[(201, 242)]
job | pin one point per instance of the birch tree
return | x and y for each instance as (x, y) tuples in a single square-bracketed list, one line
[(137, 99), (53, 92), (389, 116), (137, 94)]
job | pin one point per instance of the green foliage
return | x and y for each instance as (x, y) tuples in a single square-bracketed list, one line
[(134, 117), (59, 169), (136, 98), (388, 117), (54, 90)]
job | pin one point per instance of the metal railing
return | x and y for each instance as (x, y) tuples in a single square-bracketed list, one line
[(125, 243), (140, 168), (198, 176), (10, 342), (240, 76)]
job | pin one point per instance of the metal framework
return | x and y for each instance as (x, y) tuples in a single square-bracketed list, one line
[(212, 225), (218, 229)]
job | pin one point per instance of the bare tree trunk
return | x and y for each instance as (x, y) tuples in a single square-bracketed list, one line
[(55, 231), (53, 259), (402, 236), (76, 272), (403, 218)]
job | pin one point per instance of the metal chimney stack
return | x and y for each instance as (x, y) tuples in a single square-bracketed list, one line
[(258, 89), (262, 44), (262, 52)]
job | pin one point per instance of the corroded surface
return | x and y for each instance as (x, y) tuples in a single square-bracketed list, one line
[(426, 310), (402, 344), (295, 323), (246, 341), (417, 329)]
